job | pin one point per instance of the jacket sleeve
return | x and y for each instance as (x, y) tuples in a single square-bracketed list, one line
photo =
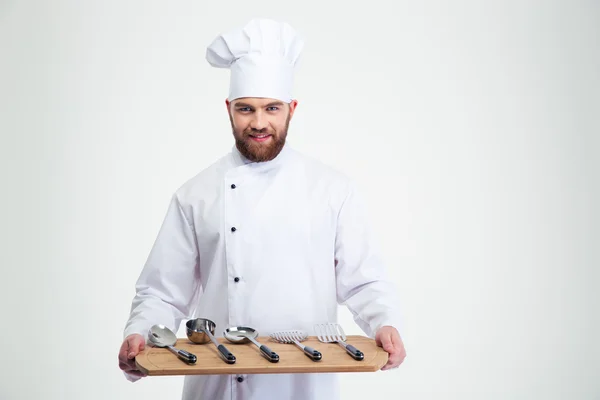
[(361, 276), (168, 285)]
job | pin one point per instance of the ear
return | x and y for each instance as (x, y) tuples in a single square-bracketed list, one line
[(227, 103), (293, 105)]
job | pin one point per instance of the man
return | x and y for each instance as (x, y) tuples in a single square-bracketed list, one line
[(264, 237)]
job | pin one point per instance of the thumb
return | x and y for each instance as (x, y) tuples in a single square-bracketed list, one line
[(386, 342), (136, 344)]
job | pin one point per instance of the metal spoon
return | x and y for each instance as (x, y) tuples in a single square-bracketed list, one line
[(161, 336), (243, 334)]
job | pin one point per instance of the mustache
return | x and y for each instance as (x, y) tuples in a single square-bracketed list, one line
[(254, 132)]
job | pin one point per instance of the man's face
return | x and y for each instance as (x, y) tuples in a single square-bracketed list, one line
[(260, 126)]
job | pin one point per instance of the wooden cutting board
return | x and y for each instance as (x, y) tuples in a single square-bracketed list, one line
[(155, 361)]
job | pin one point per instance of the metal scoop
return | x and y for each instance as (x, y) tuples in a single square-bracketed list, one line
[(243, 334), (333, 333), (161, 336), (296, 337)]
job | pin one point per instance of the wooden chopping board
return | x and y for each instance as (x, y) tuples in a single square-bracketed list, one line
[(155, 361)]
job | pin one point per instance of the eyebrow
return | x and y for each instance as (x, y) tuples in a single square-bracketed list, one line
[(275, 103)]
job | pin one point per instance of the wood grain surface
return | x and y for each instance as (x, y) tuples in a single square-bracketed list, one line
[(155, 361)]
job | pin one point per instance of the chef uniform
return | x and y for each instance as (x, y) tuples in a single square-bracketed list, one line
[(273, 245)]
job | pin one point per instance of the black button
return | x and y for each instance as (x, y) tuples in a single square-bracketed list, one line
[(233, 185), (236, 279), (240, 379), (233, 229)]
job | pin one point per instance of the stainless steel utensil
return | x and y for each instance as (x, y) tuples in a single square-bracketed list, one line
[(296, 337), (201, 330), (333, 333), (244, 334), (161, 336)]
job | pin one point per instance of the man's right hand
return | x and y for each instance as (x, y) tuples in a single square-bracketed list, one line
[(130, 348)]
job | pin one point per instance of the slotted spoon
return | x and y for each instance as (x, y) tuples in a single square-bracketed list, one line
[(296, 337), (333, 333)]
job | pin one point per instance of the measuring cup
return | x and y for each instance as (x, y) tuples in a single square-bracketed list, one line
[(201, 330), (161, 336), (244, 334)]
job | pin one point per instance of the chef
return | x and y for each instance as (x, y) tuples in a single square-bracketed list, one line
[(265, 237)]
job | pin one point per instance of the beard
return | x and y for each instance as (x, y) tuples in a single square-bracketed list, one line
[(260, 151)]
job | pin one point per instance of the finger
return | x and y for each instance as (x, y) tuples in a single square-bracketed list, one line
[(390, 365), (387, 367), (394, 360), (397, 358), (123, 357), (136, 373), (132, 372), (127, 366)]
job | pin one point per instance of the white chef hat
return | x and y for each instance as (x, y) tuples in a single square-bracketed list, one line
[(261, 55)]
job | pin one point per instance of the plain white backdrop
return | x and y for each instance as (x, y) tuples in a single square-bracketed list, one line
[(471, 126)]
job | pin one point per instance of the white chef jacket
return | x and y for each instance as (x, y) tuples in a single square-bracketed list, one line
[(294, 233)]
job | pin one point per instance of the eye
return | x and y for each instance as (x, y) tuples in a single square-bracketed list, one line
[(244, 109), (273, 108)]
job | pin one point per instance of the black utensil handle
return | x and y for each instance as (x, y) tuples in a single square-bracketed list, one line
[(271, 355), (227, 355), (354, 352), (312, 353), (186, 356)]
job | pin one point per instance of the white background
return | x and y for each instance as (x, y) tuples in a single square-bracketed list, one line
[(471, 126)]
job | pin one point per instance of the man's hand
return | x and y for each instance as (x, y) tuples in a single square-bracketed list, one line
[(131, 347), (389, 338)]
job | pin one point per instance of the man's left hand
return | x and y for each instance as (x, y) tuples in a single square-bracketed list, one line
[(389, 338)]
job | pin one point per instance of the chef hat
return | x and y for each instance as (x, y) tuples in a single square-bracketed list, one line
[(261, 56)]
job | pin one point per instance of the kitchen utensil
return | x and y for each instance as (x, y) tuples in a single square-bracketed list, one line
[(333, 333), (244, 334), (202, 330), (296, 337), (161, 336)]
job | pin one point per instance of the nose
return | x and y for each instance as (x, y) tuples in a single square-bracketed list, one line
[(258, 122)]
